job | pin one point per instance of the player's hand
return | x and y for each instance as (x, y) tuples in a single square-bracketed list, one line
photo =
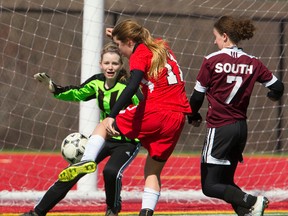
[(46, 80), (109, 127), (109, 32), (273, 97), (195, 120)]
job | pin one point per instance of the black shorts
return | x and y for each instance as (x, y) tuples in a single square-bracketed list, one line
[(225, 145)]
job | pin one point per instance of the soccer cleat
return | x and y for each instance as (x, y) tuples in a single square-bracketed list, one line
[(146, 212), (259, 207), (30, 213), (71, 172)]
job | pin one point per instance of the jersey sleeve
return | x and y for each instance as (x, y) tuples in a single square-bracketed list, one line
[(83, 92), (203, 77), (265, 75)]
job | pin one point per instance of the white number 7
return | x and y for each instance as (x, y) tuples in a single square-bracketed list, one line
[(236, 87)]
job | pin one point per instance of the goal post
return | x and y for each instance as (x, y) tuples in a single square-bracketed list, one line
[(92, 39)]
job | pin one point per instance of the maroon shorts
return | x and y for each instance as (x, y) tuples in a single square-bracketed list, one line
[(158, 131)]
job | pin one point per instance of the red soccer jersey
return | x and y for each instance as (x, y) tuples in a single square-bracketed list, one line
[(167, 91), (228, 77)]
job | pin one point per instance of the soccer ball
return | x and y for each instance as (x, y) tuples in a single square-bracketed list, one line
[(73, 147)]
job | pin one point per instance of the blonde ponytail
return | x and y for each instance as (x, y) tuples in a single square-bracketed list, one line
[(129, 29)]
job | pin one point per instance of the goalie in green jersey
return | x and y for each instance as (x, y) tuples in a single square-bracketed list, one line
[(105, 88)]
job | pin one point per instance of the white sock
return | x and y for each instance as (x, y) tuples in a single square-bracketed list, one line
[(94, 145), (150, 198)]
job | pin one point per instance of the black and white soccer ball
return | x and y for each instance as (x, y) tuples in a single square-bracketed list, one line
[(73, 147)]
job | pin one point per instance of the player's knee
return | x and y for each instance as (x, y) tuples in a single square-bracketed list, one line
[(208, 190)]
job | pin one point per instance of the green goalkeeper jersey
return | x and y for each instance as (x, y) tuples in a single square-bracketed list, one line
[(94, 88)]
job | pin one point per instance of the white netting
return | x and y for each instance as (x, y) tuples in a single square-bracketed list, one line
[(42, 35)]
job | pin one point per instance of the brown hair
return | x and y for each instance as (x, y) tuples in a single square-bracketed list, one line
[(113, 48), (129, 29), (236, 29)]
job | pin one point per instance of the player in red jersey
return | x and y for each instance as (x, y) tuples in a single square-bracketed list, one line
[(227, 77), (157, 121)]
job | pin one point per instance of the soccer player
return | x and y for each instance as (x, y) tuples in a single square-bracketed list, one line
[(227, 77), (157, 121), (106, 88)]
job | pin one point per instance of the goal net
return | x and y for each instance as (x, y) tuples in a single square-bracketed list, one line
[(46, 36)]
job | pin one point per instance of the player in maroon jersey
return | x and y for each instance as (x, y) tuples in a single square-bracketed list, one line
[(157, 121), (227, 77)]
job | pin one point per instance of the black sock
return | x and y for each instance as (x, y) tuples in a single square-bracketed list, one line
[(237, 197)]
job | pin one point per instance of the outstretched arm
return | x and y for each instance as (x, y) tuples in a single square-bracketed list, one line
[(83, 92)]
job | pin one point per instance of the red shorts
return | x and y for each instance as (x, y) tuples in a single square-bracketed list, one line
[(158, 131)]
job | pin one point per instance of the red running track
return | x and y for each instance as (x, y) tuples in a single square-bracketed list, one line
[(26, 172)]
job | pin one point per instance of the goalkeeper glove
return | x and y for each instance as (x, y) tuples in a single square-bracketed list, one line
[(46, 80), (195, 120)]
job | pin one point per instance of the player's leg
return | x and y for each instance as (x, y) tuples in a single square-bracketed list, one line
[(122, 154), (87, 164), (223, 144), (249, 205), (158, 133), (261, 202), (212, 176), (151, 194), (160, 146), (134, 124), (216, 162), (236, 156), (229, 180), (52, 196), (59, 190)]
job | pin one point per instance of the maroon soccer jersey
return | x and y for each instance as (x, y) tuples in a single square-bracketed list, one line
[(228, 78), (167, 91)]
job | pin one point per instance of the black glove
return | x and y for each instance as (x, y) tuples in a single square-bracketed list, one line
[(272, 95), (195, 118)]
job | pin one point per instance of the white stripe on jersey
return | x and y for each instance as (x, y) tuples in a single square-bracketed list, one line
[(269, 83), (228, 52), (198, 87)]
